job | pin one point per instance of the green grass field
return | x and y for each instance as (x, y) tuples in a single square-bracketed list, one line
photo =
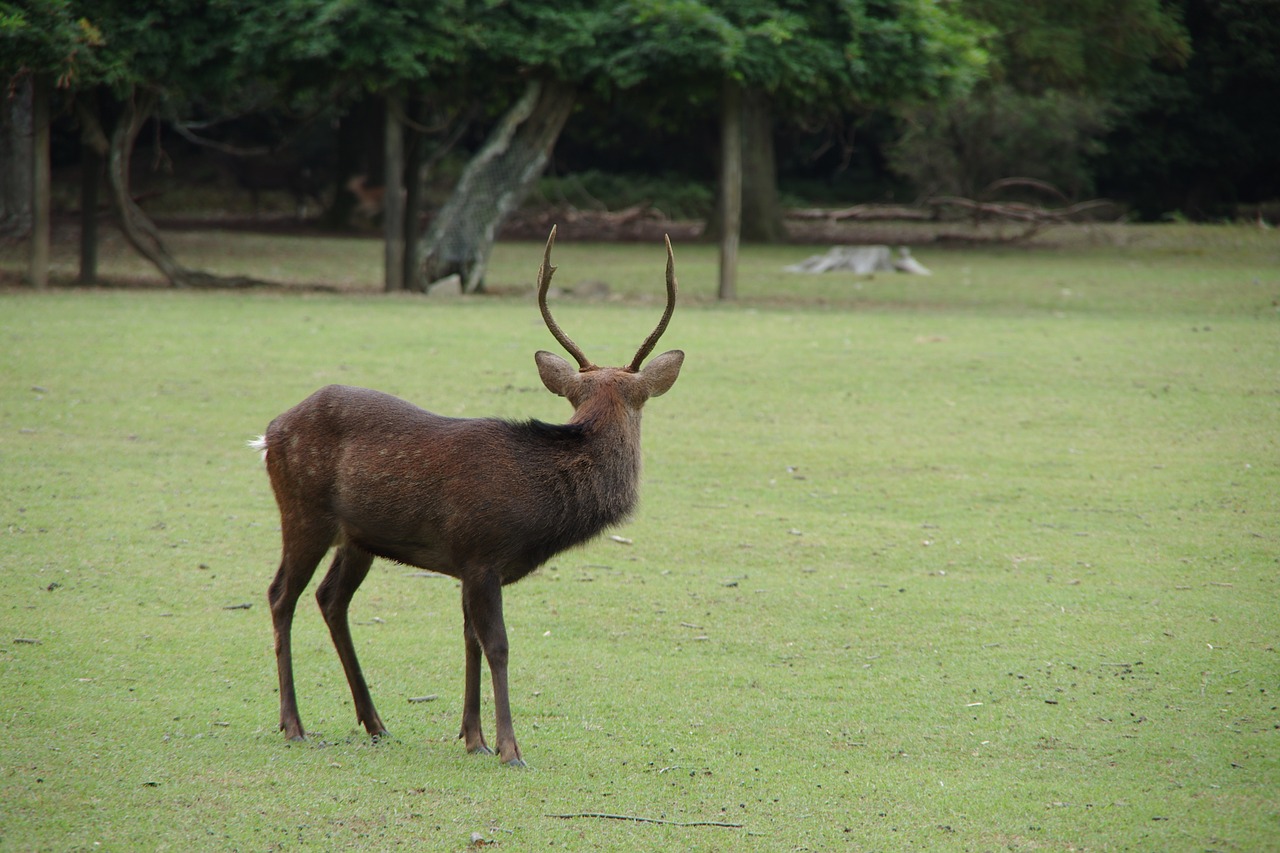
[(983, 561)]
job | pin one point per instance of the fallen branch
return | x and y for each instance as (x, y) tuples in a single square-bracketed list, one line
[(1032, 217), (864, 213), (638, 819), (1018, 210)]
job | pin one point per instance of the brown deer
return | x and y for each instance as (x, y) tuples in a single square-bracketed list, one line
[(483, 500)]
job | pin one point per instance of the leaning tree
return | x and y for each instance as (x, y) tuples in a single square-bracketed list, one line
[(146, 63)]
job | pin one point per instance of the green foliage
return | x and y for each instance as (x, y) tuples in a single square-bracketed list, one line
[(970, 562), (910, 50), (374, 46), (1194, 139), (46, 37), (825, 55), (1087, 45), (962, 146), (1056, 69)]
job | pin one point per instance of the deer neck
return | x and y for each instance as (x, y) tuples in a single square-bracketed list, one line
[(611, 431)]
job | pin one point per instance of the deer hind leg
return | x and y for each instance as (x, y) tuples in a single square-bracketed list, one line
[(485, 630), (302, 552), (472, 732), (350, 566)]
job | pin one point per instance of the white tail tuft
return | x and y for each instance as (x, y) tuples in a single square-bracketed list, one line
[(259, 444)]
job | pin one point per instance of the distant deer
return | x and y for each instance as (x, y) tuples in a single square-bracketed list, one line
[(483, 500), (368, 199)]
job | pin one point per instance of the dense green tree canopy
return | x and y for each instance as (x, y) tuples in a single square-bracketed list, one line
[(47, 37), (1203, 138), (1181, 81), (1084, 45), (825, 54)]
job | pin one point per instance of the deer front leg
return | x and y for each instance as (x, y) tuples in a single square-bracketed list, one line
[(482, 603)]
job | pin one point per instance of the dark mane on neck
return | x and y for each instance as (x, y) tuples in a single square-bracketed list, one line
[(539, 432)]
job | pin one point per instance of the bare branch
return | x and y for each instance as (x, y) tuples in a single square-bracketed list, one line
[(639, 819)]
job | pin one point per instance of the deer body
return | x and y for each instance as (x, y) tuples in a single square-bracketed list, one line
[(483, 500)]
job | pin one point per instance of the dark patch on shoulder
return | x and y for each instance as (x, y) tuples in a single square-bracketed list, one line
[(547, 433)]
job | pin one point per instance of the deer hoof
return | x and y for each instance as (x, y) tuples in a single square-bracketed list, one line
[(482, 749), (515, 762)]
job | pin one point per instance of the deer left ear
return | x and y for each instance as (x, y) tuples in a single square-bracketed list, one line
[(661, 373), (556, 373)]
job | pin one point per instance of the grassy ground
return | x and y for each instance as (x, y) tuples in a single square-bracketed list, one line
[(981, 561)]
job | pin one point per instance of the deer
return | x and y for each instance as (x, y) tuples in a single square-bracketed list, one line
[(483, 500), (368, 199)]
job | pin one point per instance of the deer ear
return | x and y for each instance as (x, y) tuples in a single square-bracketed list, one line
[(556, 373), (661, 373)]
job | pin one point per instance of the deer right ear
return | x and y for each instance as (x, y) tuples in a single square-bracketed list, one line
[(556, 373)]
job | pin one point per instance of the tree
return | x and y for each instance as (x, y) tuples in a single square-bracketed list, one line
[(493, 184), (546, 52), (800, 60), (1194, 139), (964, 145), (15, 159), (784, 55), (166, 58), (42, 45), (796, 59), (1055, 73), (401, 54)]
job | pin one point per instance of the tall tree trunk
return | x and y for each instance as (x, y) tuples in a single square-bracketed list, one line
[(90, 180), (414, 166), (15, 162), (730, 188), (38, 272), (393, 195), (139, 231), (762, 219), (493, 184)]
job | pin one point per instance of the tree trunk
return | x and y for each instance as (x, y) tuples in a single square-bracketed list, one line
[(393, 195), (38, 272), (15, 163), (762, 220), (414, 160), (730, 188), (762, 215), (493, 185), (90, 178)]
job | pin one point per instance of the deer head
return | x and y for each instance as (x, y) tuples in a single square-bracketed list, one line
[(631, 385)]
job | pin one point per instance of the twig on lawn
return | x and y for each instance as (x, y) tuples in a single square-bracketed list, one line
[(638, 819)]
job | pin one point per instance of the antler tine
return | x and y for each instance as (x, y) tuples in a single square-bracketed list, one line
[(545, 271), (651, 341)]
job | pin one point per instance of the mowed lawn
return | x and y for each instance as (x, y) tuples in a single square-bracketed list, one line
[(981, 561)]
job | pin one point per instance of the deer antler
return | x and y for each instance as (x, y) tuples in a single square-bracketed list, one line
[(652, 340), (545, 271)]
